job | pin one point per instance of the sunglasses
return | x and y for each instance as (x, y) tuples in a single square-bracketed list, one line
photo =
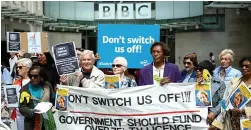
[(34, 76), (246, 66), (188, 63), (199, 68), (20, 67), (117, 65)]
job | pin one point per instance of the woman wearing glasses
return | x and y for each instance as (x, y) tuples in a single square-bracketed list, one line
[(189, 73), (119, 67), (37, 90), (230, 120), (23, 66), (217, 88)]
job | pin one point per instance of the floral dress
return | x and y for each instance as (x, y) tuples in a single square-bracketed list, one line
[(127, 82)]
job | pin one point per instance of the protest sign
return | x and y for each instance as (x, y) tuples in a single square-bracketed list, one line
[(245, 124), (11, 95), (130, 41), (62, 99), (65, 57), (203, 95), (112, 81), (240, 97), (138, 108), (13, 42), (33, 42)]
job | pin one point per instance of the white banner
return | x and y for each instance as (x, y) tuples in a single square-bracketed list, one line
[(137, 108)]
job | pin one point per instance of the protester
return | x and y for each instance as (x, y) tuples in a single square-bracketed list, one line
[(6, 79), (20, 55), (23, 66), (230, 120), (37, 90), (189, 73), (226, 72), (90, 76), (46, 61), (12, 61), (119, 67), (5, 112), (217, 89), (159, 71)]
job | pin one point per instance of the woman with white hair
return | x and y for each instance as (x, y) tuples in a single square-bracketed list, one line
[(119, 67), (226, 72), (23, 66)]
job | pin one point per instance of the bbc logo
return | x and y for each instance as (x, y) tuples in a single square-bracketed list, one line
[(125, 11)]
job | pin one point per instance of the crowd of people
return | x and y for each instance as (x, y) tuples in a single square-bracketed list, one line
[(37, 76)]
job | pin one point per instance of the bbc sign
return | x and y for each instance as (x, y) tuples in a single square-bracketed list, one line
[(125, 11)]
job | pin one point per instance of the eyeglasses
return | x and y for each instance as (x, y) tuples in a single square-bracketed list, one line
[(246, 66), (34, 76), (20, 67), (188, 63), (117, 65)]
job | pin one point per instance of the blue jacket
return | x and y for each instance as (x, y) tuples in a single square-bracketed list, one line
[(230, 74), (184, 73)]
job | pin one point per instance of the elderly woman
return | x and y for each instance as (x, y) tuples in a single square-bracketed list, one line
[(189, 73), (119, 67), (217, 89), (37, 90), (230, 120), (23, 66), (226, 72)]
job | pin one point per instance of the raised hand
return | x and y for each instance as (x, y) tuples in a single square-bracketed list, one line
[(63, 78)]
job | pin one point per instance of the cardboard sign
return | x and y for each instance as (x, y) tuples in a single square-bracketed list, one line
[(40, 40)]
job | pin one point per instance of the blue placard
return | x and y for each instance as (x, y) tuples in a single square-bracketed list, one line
[(127, 40)]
